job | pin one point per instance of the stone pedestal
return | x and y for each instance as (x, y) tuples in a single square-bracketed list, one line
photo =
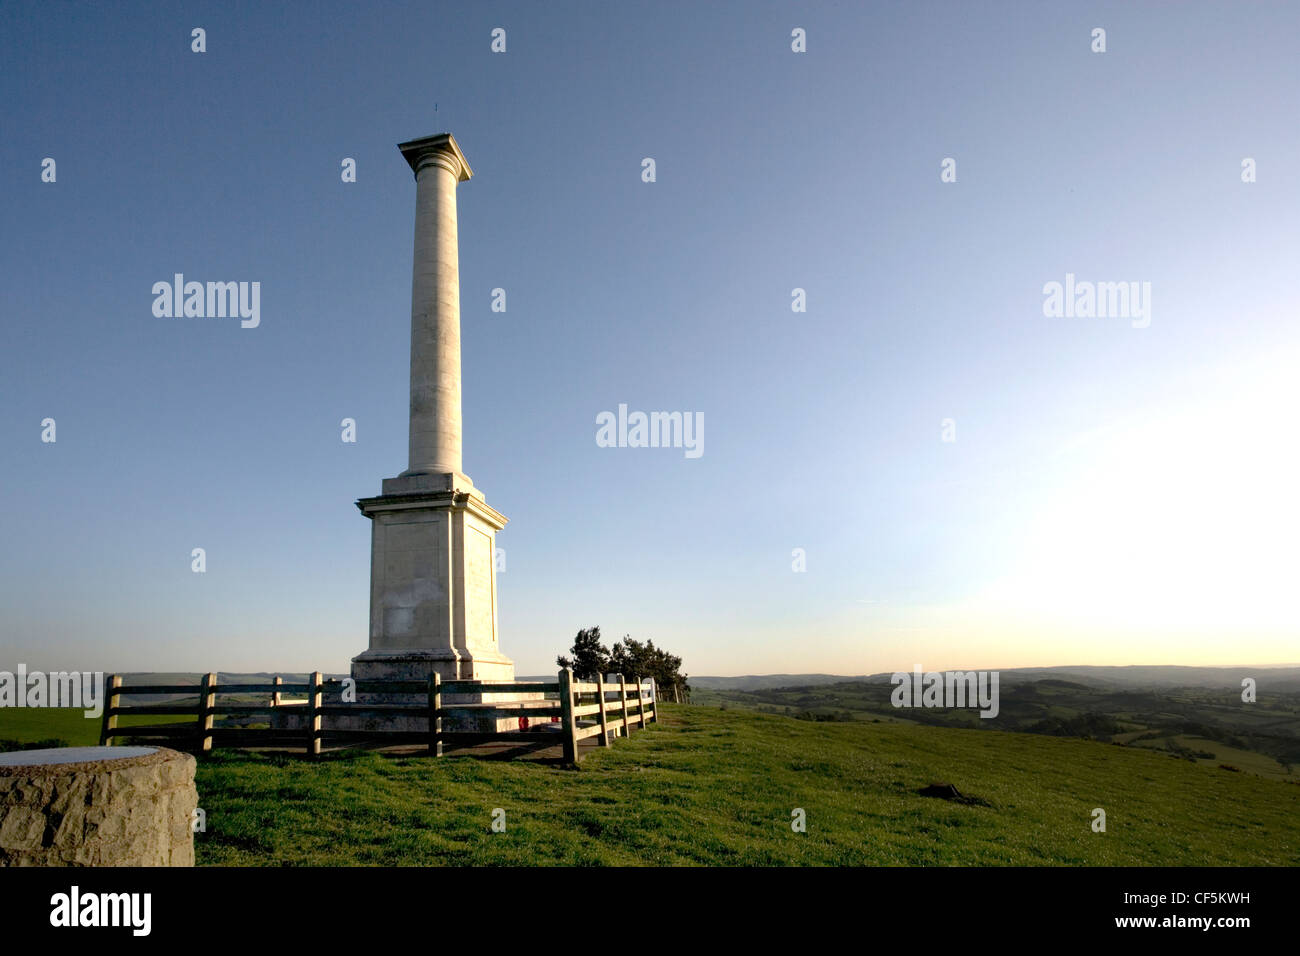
[(97, 806), (433, 596), (290, 716)]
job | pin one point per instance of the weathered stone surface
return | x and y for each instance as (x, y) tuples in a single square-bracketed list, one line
[(103, 810)]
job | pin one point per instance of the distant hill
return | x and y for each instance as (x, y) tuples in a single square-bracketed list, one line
[(223, 677), (1286, 677), (769, 681)]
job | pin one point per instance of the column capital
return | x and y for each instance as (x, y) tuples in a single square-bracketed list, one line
[(442, 149)]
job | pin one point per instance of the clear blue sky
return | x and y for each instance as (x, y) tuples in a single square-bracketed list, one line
[(1114, 494)]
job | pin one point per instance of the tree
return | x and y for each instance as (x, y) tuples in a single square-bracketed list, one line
[(629, 657), (634, 659), (589, 655)]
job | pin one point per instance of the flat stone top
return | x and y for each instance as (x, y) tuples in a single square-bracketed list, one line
[(62, 759)]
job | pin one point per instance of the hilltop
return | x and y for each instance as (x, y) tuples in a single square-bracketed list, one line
[(713, 787), (707, 786)]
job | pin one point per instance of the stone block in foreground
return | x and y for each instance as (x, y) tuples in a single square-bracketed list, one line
[(97, 806)]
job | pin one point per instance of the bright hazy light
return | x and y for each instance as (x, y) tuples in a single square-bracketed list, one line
[(1181, 522)]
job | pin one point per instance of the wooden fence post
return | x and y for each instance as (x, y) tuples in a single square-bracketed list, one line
[(207, 701), (640, 703), (570, 726), (604, 718), (654, 701), (110, 711), (622, 693), (275, 697), (313, 714), (631, 714), (435, 722)]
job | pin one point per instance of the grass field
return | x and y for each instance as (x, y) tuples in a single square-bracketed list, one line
[(717, 787), (71, 727), (1261, 737)]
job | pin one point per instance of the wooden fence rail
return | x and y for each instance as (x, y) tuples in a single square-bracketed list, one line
[(602, 708)]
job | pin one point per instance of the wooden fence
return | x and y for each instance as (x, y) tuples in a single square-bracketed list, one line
[(577, 709)]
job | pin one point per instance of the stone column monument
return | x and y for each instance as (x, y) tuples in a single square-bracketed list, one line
[(433, 596)]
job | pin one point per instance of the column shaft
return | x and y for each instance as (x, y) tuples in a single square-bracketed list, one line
[(435, 437)]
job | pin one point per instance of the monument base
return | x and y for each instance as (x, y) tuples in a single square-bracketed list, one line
[(433, 595), (448, 663), (479, 711)]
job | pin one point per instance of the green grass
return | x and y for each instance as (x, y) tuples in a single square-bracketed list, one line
[(1244, 760), (1151, 717), (68, 725), (712, 787)]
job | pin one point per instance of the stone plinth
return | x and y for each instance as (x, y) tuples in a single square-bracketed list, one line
[(433, 594), (97, 806), (290, 716)]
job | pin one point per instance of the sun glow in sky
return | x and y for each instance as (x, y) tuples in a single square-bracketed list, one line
[(1181, 521), (1174, 534)]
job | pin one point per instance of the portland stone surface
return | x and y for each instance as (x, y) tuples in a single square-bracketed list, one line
[(433, 594)]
